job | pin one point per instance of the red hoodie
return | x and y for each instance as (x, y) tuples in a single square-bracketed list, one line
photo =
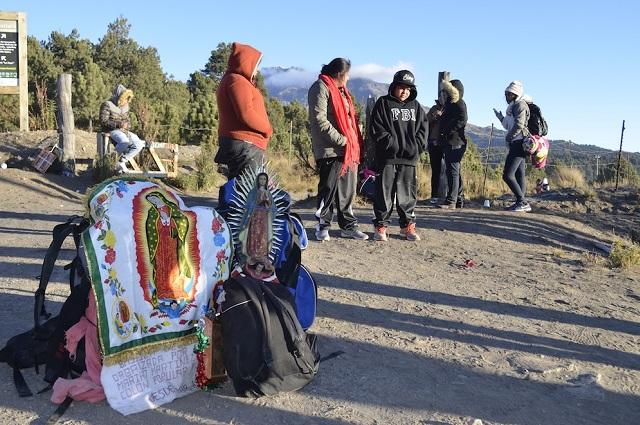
[(241, 111)]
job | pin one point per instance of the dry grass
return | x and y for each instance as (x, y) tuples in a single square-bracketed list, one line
[(624, 255), (559, 253), (589, 193), (472, 180), (494, 187), (591, 259), (562, 176), (423, 180), (292, 176)]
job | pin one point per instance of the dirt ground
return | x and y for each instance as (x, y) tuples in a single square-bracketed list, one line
[(539, 331)]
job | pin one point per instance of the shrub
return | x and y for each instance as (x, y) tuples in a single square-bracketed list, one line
[(624, 256), (205, 177), (104, 168)]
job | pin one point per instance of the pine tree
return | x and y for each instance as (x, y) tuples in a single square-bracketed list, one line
[(217, 64), (201, 122), (89, 91)]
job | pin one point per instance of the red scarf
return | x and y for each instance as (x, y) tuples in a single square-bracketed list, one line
[(347, 124)]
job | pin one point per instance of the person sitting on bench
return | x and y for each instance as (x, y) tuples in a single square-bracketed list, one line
[(114, 119)]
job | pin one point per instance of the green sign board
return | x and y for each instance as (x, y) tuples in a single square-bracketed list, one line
[(8, 53)]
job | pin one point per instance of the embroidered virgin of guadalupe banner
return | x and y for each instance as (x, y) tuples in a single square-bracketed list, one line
[(154, 263)]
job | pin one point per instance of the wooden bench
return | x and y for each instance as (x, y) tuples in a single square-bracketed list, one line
[(165, 167)]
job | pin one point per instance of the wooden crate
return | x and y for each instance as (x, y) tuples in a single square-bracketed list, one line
[(215, 371)]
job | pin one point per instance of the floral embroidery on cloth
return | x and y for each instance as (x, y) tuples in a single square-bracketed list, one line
[(154, 263)]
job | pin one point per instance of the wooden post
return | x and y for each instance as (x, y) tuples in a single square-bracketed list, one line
[(13, 38), (619, 156), (22, 72), (65, 121)]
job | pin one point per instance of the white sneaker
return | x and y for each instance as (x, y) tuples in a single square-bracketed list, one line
[(122, 167), (522, 207), (322, 234), (354, 234)]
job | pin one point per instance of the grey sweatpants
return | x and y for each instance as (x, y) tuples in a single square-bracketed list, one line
[(336, 191)]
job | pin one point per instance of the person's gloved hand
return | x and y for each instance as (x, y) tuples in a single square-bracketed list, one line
[(498, 114)]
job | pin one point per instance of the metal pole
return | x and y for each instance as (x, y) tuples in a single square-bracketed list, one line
[(570, 155), (486, 164), (597, 166), (290, 137), (619, 156)]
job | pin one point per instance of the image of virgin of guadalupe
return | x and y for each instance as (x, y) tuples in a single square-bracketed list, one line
[(166, 230), (256, 230)]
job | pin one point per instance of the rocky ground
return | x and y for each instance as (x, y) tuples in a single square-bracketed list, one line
[(493, 317)]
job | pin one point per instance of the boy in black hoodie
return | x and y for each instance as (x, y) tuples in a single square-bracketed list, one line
[(399, 132)]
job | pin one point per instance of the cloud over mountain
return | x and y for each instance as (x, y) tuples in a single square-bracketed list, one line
[(379, 73)]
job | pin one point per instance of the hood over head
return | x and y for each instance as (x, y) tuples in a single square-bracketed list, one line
[(458, 85), (527, 98), (451, 93), (121, 95), (516, 88), (243, 60)]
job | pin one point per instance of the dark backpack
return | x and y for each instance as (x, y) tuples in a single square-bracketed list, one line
[(537, 124), (265, 349), (45, 343)]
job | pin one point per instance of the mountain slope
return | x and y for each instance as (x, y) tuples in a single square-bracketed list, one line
[(292, 84)]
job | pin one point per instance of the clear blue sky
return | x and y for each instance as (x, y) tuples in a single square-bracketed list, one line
[(580, 61)]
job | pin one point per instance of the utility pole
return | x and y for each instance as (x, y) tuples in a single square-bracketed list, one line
[(619, 156), (597, 168)]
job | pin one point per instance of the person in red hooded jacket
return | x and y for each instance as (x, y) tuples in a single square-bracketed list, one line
[(243, 125)]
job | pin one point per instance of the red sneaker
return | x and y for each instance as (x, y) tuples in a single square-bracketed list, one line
[(380, 234), (410, 233)]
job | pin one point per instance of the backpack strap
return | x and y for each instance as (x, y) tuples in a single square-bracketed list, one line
[(20, 383), (60, 233), (57, 414), (295, 336), (294, 333)]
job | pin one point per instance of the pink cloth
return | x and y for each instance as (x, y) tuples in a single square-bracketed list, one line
[(86, 387), (366, 173)]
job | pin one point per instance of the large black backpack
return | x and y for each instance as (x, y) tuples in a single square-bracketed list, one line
[(537, 124), (265, 349), (45, 343)]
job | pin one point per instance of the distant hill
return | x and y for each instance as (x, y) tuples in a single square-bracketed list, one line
[(585, 157), (292, 84)]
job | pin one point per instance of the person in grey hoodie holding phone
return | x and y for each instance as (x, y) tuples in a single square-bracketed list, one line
[(515, 122)]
